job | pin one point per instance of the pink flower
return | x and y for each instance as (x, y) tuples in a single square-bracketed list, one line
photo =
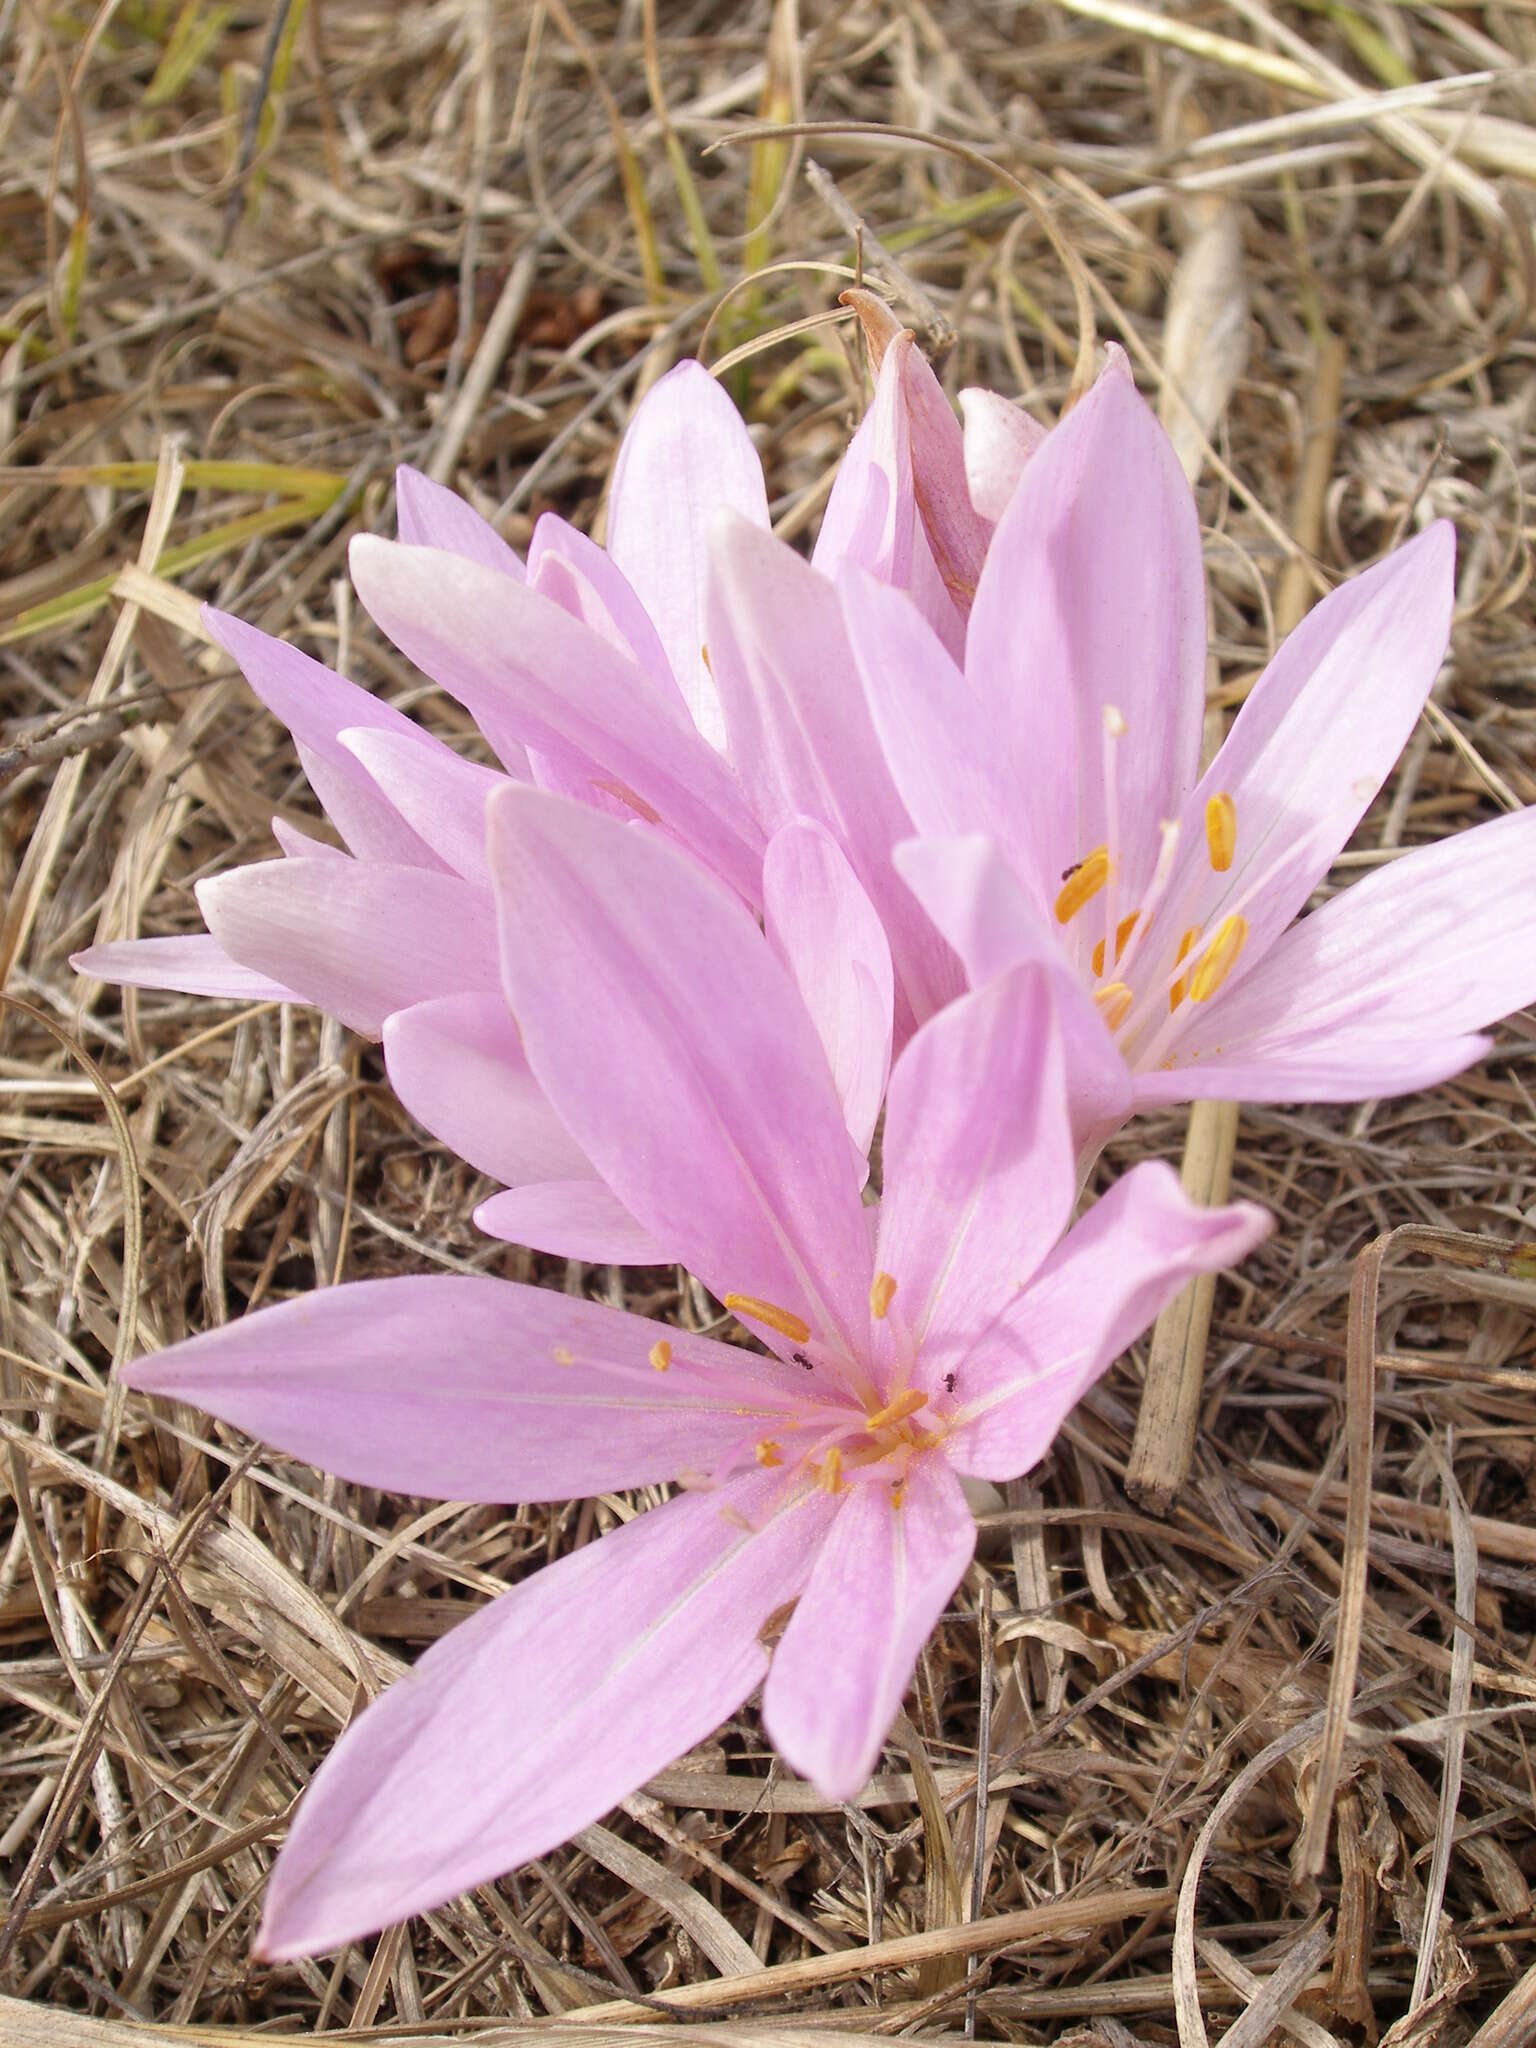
[(946, 1332), (693, 679), (917, 498), (1063, 816)]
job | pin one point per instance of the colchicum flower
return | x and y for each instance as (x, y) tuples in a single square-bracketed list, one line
[(693, 679), (1062, 815), (821, 1528)]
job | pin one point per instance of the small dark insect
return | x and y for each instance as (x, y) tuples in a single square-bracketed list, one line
[(1068, 873), (801, 1359), (949, 1383)]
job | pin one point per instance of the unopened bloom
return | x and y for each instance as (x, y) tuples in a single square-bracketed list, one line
[(948, 1332), (1056, 786)]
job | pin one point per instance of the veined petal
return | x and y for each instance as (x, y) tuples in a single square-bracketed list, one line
[(439, 795), (535, 1716), (1107, 1280), (533, 675), (686, 453), (824, 928), (459, 1387), (1000, 437), (571, 1219), (1314, 742), (677, 1051), (316, 704), (1380, 990), (459, 1067), (803, 742), (357, 939), (980, 1168), (196, 965), (882, 1578), (429, 515), (1093, 598)]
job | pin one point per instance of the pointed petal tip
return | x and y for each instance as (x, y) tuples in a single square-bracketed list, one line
[(1116, 363)]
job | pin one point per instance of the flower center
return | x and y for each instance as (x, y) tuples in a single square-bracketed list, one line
[(840, 1440), (1139, 976)]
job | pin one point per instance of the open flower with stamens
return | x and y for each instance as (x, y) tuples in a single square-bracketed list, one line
[(946, 1332), (1056, 786)]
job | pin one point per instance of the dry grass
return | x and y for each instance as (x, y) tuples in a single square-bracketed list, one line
[(298, 244)]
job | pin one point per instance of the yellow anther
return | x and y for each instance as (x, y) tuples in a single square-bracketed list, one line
[(897, 1492), (1113, 1002), (881, 1290), (1123, 932), (898, 1410), (561, 1355), (1176, 993), (768, 1454), (1114, 723), (1221, 830), (829, 1473), (1219, 958), (784, 1320), (660, 1354), (1082, 884), (704, 657)]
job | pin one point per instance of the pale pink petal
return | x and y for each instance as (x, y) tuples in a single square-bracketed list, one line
[(1380, 990), (461, 1387), (824, 928), (532, 675), (1095, 1295), (1314, 742), (882, 1578), (357, 939), (803, 742), (977, 901), (575, 573), (301, 845), (196, 965), (677, 1051), (876, 518), (1000, 437), (870, 518), (459, 1067), (857, 525), (531, 1719), (315, 704), (956, 531), (429, 515), (685, 456), (943, 756), (440, 795), (980, 1169), (1093, 598), (571, 1219)]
